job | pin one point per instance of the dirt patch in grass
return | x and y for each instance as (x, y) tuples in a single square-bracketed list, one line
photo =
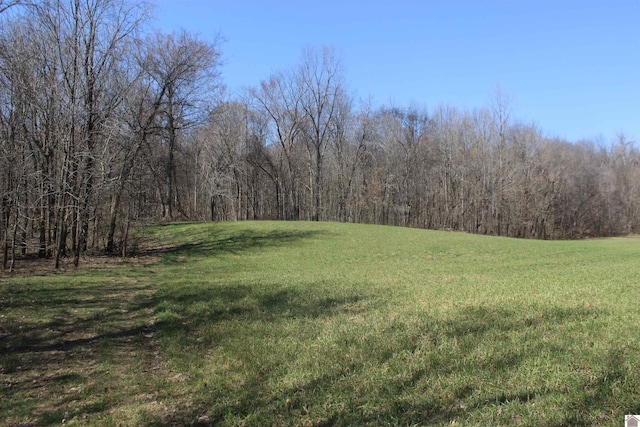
[(147, 252)]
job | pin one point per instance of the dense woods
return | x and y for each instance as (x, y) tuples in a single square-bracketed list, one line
[(104, 124)]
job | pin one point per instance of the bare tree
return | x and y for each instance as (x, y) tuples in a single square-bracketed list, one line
[(136, 125), (219, 150), (99, 127), (65, 60), (186, 70), (324, 105), (8, 4), (90, 41), (281, 97)]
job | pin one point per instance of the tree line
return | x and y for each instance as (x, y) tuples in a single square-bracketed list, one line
[(104, 124)]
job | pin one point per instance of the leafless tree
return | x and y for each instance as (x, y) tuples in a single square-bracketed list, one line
[(281, 98), (100, 126), (186, 71), (324, 105), (8, 4)]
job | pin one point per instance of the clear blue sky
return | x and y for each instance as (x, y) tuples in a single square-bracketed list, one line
[(572, 67)]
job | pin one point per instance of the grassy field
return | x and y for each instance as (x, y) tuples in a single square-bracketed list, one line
[(295, 323)]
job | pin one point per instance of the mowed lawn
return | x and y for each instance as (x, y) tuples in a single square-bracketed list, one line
[(299, 323)]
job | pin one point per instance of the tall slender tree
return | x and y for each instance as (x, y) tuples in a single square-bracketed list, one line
[(186, 70), (323, 103)]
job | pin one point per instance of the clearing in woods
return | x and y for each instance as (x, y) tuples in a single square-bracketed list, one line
[(298, 323)]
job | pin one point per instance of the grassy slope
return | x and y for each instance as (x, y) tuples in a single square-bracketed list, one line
[(322, 324)]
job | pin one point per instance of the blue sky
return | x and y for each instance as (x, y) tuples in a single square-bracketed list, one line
[(571, 67)]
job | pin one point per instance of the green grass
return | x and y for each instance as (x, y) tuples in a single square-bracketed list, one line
[(295, 323)]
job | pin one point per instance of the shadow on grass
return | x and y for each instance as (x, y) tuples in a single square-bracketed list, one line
[(346, 391), (84, 350), (200, 241), (74, 351), (185, 311), (62, 348)]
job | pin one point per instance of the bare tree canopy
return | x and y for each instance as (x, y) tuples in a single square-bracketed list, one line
[(103, 125), (8, 4)]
